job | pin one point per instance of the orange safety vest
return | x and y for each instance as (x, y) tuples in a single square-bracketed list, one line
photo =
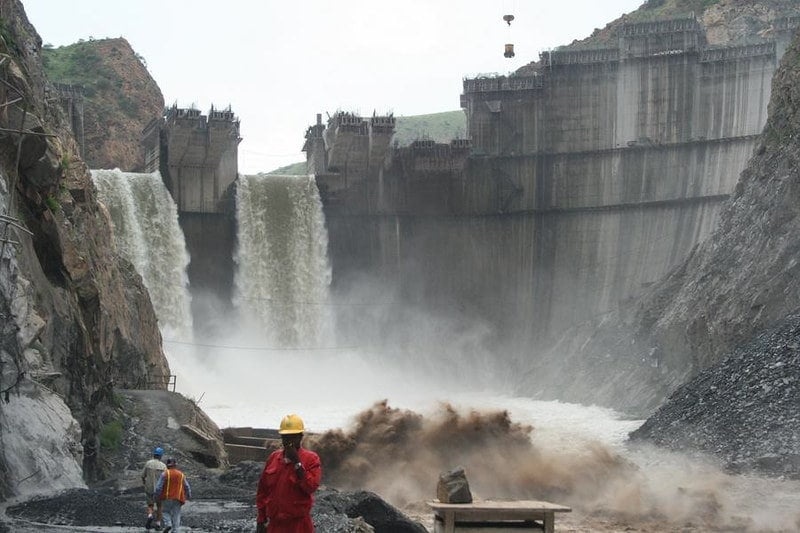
[(173, 486)]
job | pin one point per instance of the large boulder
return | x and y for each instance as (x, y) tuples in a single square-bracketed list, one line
[(383, 517)]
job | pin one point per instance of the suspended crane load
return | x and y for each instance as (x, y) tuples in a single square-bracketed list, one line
[(509, 7)]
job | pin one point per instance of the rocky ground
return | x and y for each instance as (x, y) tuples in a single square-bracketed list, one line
[(223, 507), (224, 501), (334, 512), (715, 412), (224, 495)]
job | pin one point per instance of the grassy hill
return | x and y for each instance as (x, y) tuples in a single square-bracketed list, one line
[(441, 127), (295, 169), (120, 97)]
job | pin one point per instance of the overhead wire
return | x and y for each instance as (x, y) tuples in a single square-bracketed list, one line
[(261, 348)]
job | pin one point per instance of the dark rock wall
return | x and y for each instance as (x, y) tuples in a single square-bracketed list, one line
[(78, 320), (210, 241)]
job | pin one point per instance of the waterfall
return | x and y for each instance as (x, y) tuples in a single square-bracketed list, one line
[(283, 271), (147, 234)]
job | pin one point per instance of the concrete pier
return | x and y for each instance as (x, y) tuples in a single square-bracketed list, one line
[(197, 155)]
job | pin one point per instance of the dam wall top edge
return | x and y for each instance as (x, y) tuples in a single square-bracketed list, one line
[(181, 117), (672, 25), (627, 51)]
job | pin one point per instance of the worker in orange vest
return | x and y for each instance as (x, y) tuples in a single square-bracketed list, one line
[(172, 491), (286, 488)]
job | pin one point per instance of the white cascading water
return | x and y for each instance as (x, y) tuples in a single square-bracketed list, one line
[(147, 234), (283, 275)]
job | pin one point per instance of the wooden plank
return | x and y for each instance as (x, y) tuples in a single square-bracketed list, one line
[(238, 453), (549, 523), (198, 434), (491, 515), (489, 511), (449, 522), (462, 513), (510, 505)]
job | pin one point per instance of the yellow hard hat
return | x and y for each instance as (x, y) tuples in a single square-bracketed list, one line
[(291, 424)]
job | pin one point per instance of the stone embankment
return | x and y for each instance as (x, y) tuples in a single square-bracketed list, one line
[(743, 410)]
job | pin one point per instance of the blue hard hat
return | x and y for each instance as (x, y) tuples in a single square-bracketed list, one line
[(158, 451)]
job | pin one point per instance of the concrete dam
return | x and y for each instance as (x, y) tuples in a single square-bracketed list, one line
[(577, 186)]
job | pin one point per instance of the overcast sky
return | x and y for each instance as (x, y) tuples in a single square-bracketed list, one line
[(278, 63)]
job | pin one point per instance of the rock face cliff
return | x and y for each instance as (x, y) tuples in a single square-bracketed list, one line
[(726, 21), (77, 320), (119, 98)]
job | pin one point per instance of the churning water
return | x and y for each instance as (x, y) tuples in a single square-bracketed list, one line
[(575, 455), (147, 234), (282, 257)]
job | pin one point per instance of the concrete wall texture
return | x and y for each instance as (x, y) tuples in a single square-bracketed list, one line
[(201, 157), (586, 182)]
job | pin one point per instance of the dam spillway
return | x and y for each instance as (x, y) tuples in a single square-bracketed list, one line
[(146, 232), (283, 273)]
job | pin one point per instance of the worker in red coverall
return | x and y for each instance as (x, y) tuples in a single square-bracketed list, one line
[(286, 488)]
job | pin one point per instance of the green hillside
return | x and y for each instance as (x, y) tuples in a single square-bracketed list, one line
[(295, 169), (78, 64), (440, 127)]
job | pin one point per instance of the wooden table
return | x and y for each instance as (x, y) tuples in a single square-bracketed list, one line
[(495, 516)]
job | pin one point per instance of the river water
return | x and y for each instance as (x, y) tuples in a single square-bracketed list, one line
[(582, 449)]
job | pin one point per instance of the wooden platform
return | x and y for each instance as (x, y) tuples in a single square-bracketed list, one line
[(250, 444), (489, 516)]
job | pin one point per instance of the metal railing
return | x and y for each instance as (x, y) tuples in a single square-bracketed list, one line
[(167, 381)]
